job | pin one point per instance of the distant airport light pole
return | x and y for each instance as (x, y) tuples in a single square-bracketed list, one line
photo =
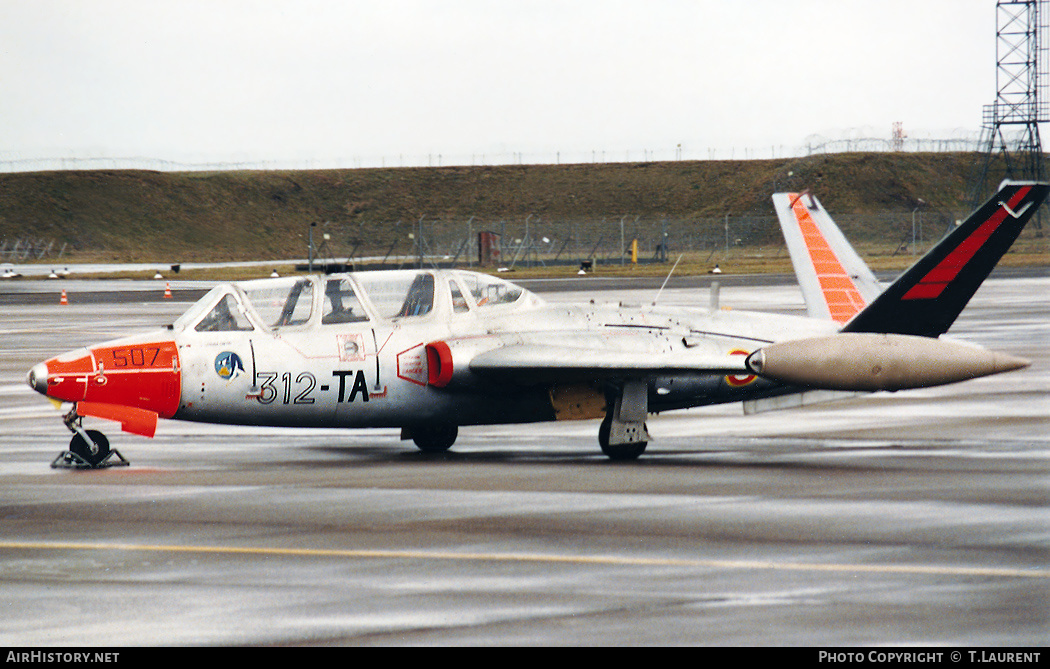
[(727, 235), (310, 260), (623, 249), (920, 204)]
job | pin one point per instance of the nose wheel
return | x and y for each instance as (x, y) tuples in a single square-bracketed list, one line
[(92, 447), (89, 449)]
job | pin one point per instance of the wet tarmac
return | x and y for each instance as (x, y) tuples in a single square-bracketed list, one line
[(919, 517)]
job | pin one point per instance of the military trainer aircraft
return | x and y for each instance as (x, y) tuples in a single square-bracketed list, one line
[(431, 350)]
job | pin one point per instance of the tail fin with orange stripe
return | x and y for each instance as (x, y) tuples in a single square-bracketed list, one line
[(928, 297), (835, 281)]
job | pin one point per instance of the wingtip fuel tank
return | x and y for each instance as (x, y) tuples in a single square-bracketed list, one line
[(869, 362)]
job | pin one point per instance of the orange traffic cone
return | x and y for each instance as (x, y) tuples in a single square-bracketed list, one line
[(64, 300), (167, 290)]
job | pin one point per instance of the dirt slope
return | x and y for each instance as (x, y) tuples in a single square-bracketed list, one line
[(196, 216)]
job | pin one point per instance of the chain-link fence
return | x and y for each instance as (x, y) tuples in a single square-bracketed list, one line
[(533, 241), (30, 248)]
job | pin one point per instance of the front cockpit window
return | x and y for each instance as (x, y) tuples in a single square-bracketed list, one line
[(227, 315), (281, 302), (219, 310), (399, 294)]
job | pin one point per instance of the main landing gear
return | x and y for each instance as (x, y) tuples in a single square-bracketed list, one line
[(89, 449), (622, 434), (432, 438)]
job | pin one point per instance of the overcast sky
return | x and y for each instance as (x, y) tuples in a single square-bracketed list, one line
[(221, 80)]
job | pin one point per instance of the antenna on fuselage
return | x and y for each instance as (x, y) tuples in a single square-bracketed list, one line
[(667, 279)]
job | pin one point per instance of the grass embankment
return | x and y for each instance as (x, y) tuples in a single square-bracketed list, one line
[(140, 216)]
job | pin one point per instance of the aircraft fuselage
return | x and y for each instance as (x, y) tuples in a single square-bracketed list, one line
[(375, 372)]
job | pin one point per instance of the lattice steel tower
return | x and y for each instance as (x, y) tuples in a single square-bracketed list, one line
[(1010, 132)]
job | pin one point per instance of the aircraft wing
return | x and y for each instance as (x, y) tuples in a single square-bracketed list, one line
[(530, 363), (836, 283)]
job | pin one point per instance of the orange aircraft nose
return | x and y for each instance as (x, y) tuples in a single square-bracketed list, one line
[(64, 377), (128, 373)]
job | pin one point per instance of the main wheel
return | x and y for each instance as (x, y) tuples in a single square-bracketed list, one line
[(618, 451), (435, 438), (80, 447)]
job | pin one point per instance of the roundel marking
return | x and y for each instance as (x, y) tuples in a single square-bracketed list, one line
[(738, 380)]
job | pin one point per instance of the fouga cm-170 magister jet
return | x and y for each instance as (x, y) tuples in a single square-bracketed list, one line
[(429, 351)]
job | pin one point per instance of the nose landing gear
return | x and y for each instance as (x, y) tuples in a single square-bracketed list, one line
[(89, 449)]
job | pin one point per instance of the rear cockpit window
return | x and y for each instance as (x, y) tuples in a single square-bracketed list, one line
[(341, 304), (399, 294), (420, 298), (225, 316)]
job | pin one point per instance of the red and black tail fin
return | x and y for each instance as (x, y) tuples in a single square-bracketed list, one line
[(929, 296)]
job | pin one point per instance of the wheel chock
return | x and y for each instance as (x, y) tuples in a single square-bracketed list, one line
[(70, 460)]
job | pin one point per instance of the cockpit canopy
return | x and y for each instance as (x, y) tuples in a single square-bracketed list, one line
[(300, 302)]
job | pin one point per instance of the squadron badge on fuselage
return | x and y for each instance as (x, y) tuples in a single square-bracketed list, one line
[(228, 365)]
